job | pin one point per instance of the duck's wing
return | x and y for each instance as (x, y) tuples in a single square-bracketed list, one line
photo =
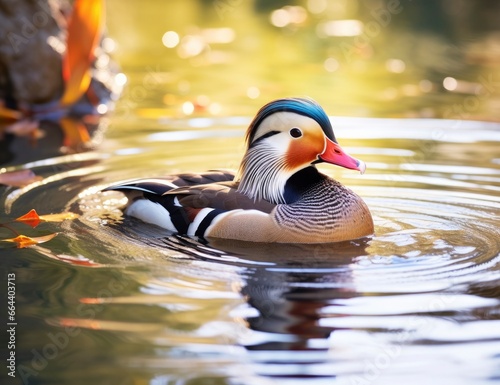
[(222, 196), (179, 204), (193, 179), (158, 186)]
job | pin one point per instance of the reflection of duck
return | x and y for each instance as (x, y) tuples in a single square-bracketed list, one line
[(277, 195), (291, 301)]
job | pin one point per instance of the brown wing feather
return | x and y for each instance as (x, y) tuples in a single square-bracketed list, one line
[(222, 195), (192, 179)]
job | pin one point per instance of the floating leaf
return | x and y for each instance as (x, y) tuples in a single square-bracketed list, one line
[(31, 218), (91, 301), (136, 327), (79, 261), (25, 241), (25, 127), (58, 217), (19, 178), (75, 133), (8, 114), (44, 238), (73, 260), (75, 322), (84, 29)]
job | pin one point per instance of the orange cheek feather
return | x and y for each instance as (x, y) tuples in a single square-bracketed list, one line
[(303, 151)]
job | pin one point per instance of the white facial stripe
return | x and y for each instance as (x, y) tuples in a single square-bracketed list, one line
[(324, 147), (284, 121), (279, 142)]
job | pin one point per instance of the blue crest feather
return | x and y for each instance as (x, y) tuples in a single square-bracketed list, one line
[(302, 106)]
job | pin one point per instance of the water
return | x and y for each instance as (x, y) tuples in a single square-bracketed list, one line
[(110, 300)]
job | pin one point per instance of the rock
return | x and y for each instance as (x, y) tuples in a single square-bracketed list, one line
[(31, 55), (34, 123), (31, 50)]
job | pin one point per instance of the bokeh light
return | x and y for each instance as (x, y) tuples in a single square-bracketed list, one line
[(317, 6), (340, 28), (288, 15), (395, 65), (170, 39), (253, 92), (331, 64), (450, 83), (191, 45), (121, 79), (187, 108)]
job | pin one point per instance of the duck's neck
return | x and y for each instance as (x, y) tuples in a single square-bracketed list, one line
[(262, 175), (301, 181)]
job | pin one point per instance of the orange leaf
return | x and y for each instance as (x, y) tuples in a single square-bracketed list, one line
[(92, 301), (73, 260), (75, 322), (77, 84), (18, 178), (58, 217), (84, 30), (24, 128), (8, 114), (78, 261), (31, 218), (25, 241), (75, 133)]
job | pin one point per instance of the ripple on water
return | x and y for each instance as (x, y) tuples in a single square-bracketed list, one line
[(419, 298)]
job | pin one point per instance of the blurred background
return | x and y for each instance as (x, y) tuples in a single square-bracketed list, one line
[(376, 58), (182, 59)]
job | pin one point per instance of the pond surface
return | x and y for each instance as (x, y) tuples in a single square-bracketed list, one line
[(110, 300), (418, 302)]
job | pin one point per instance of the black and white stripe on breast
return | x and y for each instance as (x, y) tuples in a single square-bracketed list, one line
[(322, 206)]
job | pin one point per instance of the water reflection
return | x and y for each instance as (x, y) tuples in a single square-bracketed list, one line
[(276, 310), (417, 303), (349, 310), (290, 299), (54, 138), (321, 311)]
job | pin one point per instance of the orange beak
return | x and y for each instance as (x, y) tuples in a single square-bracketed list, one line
[(335, 155)]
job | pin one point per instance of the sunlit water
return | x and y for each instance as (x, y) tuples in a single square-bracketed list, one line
[(114, 301)]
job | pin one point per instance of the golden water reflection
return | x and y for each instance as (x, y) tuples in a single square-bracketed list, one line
[(358, 58), (196, 72)]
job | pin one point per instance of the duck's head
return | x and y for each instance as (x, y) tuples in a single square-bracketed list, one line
[(286, 136)]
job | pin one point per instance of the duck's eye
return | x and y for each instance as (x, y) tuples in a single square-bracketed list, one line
[(295, 132)]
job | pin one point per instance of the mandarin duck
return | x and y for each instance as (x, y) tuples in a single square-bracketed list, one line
[(277, 194)]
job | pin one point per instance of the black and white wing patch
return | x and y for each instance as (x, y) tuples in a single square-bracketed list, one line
[(183, 203)]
